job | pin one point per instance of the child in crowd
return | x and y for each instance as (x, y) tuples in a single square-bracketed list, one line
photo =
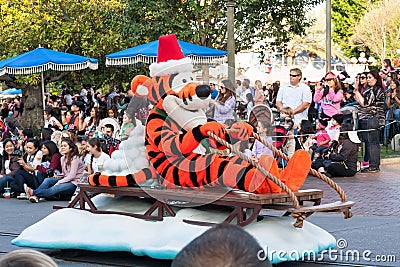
[(322, 137), (306, 135), (286, 121), (259, 148), (333, 128), (128, 124)]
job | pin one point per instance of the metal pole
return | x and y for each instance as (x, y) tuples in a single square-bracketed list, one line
[(230, 17), (328, 34), (44, 102)]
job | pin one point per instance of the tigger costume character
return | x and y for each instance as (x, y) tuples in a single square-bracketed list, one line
[(176, 126)]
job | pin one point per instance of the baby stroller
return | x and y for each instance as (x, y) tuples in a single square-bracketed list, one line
[(9, 128), (281, 128), (350, 114)]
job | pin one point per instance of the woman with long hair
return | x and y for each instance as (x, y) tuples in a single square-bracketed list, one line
[(65, 183), (97, 158), (51, 161), (90, 124), (9, 166), (371, 116), (29, 162), (361, 82), (393, 104), (225, 103), (344, 162), (329, 94), (387, 65)]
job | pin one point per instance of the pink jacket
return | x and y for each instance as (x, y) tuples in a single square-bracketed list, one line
[(330, 104)]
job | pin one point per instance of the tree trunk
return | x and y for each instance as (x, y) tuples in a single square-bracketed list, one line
[(33, 108)]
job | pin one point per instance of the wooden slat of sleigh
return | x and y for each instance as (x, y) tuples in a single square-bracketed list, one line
[(208, 195)]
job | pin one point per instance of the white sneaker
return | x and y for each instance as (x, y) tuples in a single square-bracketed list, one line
[(34, 199), (27, 191), (22, 196)]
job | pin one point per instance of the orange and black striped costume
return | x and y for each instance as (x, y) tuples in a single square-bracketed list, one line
[(170, 152)]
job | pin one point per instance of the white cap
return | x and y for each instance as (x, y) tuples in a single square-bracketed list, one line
[(348, 81), (353, 136)]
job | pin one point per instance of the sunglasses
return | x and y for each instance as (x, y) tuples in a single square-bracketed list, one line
[(294, 75), (363, 77)]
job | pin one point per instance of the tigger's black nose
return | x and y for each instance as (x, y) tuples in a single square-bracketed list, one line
[(203, 91)]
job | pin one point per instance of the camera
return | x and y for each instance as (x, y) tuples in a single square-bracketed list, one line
[(18, 153), (49, 172)]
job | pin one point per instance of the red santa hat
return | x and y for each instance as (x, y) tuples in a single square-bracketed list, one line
[(170, 58)]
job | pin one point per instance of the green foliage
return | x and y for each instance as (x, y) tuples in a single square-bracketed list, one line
[(97, 28), (345, 16)]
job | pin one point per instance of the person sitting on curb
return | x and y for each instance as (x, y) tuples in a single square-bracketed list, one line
[(65, 183)]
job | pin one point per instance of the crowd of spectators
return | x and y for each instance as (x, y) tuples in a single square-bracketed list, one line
[(79, 134), (82, 129)]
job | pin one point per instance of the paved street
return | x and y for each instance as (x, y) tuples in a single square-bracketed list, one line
[(374, 193), (374, 227)]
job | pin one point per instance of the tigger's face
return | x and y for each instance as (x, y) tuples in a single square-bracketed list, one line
[(187, 100), (183, 100)]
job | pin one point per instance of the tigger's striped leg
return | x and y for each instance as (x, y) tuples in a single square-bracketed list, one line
[(248, 178), (203, 171), (123, 180)]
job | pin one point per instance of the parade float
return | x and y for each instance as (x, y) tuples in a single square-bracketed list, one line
[(161, 190)]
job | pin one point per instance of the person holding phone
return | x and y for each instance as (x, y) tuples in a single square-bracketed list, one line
[(329, 94)]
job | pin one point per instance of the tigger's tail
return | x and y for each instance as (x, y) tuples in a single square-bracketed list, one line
[(123, 180)]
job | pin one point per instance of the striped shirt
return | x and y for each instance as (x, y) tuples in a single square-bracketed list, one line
[(374, 104)]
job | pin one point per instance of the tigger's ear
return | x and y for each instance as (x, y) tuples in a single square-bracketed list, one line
[(140, 85)]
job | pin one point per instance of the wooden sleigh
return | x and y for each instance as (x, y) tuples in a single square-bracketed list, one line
[(246, 207)]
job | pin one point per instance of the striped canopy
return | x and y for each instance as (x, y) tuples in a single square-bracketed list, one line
[(42, 59), (147, 53)]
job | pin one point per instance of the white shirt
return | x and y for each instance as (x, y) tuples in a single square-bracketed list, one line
[(7, 166), (242, 95), (68, 100), (293, 96), (97, 162), (51, 122)]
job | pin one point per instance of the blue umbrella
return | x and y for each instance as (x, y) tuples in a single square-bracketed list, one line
[(42, 59), (147, 53), (11, 91)]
